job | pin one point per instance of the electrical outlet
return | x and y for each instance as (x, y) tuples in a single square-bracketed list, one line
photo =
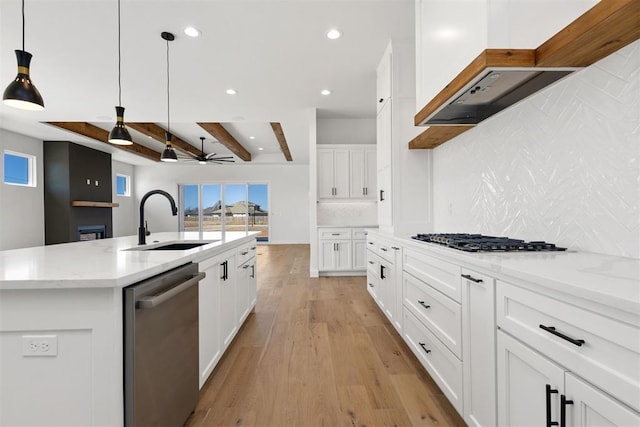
[(39, 345)]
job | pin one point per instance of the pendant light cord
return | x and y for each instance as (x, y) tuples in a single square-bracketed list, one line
[(119, 61), (168, 103), (23, 25)]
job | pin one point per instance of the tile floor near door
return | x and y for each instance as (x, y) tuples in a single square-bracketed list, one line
[(317, 352)]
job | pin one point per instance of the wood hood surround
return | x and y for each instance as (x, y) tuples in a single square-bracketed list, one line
[(602, 30)]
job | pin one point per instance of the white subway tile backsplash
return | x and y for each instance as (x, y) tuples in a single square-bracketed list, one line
[(561, 166)]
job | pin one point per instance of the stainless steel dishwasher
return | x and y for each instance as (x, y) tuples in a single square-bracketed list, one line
[(161, 348)]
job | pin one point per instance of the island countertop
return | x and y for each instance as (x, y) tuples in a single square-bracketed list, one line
[(106, 262)]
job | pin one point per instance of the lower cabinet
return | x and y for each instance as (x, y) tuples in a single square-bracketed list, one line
[(384, 277), (341, 249), (227, 295)]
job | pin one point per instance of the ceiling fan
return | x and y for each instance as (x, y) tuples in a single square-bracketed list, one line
[(203, 158)]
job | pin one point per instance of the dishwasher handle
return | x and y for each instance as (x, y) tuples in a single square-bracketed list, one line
[(153, 301)]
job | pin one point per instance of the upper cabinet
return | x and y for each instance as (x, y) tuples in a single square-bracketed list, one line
[(383, 80), (346, 172)]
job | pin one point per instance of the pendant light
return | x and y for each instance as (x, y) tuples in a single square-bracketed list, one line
[(21, 92), (119, 135), (169, 154)]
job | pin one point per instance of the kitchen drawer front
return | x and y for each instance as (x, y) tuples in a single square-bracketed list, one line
[(334, 233), (608, 357), (358, 233), (441, 275), (439, 313), (245, 253), (443, 366), (373, 264)]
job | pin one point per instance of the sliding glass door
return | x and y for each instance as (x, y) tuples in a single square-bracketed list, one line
[(225, 207)]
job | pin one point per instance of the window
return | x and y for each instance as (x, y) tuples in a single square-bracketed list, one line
[(19, 169), (225, 207), (123, 185)]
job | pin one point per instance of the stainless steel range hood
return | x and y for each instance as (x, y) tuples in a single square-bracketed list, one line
[(491, 92)]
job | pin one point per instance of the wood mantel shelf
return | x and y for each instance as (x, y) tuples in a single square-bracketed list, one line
[(90, 204)]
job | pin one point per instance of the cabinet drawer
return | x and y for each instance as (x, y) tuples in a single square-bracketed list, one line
[(441, 275), (245, 252), (439, 313), (358, 233), (334, 233), (442, 365), (608, 357)]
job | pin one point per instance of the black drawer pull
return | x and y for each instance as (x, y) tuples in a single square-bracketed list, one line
[(244, 253), (548, 393), (470, 277), (563, 409), (552, 330), (371, 243), (371, 262), (395, 248), (423, 304), (384, 249), (371, 285), (382, 276), (424, 347), (335, 234)]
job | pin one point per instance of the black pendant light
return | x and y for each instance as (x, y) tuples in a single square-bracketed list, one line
[(21, 92), (119, 135), (168, 154)]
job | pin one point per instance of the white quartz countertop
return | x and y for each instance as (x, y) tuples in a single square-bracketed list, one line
[(106, 262), (604, 279)]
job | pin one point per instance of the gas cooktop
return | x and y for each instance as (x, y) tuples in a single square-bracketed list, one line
[(481, 243)]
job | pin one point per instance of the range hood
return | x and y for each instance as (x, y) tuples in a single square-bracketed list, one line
[(499, 78)]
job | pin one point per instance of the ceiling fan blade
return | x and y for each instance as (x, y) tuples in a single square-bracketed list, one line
[(223, 158), (208, 156)]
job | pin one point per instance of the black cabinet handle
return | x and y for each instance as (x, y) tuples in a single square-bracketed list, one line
[(548, 393), (253, 248), (552, 330), (423, 304), (382, 276), (384, 249), (244, 253), (371, 285), (470, 277), (424, 347), (395, 248), (371, 243), (225, 270), (382, 195), (371, 262), (563, 409), (380, 101), (335, 234), (253, 271)]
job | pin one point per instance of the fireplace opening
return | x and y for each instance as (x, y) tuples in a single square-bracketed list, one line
[(91, 232)]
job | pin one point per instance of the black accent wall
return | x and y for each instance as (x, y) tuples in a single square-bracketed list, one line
[(74, 172)]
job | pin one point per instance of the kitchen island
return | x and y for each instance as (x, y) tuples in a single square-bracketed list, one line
[(73, 292)]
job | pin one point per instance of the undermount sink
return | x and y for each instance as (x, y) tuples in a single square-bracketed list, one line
[(172, 246)]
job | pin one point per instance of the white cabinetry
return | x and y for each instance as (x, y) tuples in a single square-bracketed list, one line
[(565, 347), (384, 258), (362, 173), (404, 176), (333, 173), (209, 317), (246, 283), (341, 249), (479, 348)]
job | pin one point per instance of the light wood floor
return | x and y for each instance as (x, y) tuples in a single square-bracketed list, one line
[(317, 352)]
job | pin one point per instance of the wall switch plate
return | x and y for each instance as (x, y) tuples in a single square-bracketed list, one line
[(39, 345)]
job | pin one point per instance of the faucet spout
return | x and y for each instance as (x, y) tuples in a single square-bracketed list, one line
[(142, 237)]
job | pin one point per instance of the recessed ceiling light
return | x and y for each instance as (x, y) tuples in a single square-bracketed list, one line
[(252, 137), (325, 92), (192, 32), (231, 91), (333, 34), (260, 148)]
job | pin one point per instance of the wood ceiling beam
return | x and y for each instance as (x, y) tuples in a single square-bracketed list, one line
[(156, 132), (98, 134), (218, 131), (277, 129)]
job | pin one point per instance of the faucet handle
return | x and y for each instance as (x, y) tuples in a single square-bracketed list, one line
[(146, 229)]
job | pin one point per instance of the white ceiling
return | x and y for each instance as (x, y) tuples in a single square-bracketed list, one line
[(274, 53)]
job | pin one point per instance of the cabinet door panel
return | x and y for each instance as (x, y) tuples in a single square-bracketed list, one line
[(359, 254), (341, 173), (208, 320), (592, 408), (228, 316), (343, 255), (326, 259), (370, 174), (522, 378), (383, 195), (357, 174), (325, 174), (383, 134)]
